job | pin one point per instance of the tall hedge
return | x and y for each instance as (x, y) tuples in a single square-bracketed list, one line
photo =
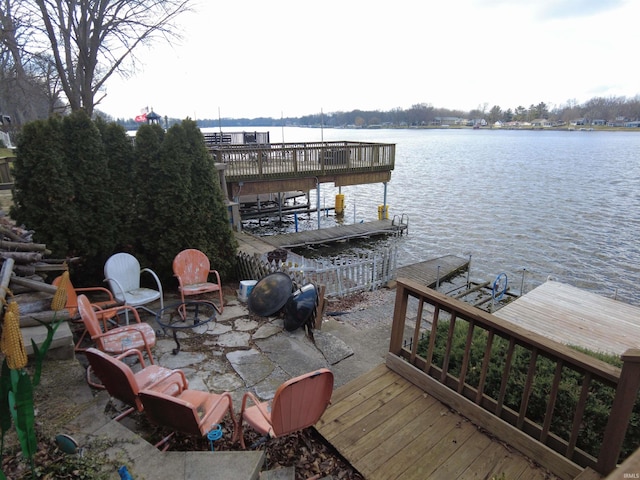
[(59, 190), (183, 193), (120, 162), (86, 191)]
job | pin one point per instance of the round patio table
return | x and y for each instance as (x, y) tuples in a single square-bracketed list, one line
[(198, 312)]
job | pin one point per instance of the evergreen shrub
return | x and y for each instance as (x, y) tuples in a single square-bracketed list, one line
[(86, 191)]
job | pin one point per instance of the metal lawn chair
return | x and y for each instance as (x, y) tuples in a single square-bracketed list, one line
[(122, 272), (124, 384), (106, 301), (193, 269), (192, 412), (138, 335), (297, 404)]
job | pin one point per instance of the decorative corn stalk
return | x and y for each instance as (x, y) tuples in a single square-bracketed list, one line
[(16, 387)]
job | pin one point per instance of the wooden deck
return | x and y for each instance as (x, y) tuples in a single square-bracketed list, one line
[(573, 316), (429, 272), (333, 234), (387, 428)]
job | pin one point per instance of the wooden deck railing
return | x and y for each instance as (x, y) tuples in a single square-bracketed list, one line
[(453, 382), (289, 160)]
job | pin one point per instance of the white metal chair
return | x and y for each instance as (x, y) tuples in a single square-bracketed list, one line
[(122, 272)]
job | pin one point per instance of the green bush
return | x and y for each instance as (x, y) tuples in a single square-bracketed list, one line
[(598, 403), (87, 192)]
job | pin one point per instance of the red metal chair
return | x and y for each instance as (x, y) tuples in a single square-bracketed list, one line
[(106, 301), (138, 335), (192, 268), (192, 412), (297, 404), (122, 383)]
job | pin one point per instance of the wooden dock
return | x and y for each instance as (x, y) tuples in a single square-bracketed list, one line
[(573, 316), (430, 272), (387, 428), (334, 234)]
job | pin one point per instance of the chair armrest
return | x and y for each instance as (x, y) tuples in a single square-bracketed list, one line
[(215, 404), (104, 290), (131, 352), (155, 277), (176, 377), (261, 406), (114, 311), (120, 291), (217, 275)]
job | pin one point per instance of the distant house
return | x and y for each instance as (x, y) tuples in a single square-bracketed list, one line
[(579, 121), (598, 121), (541, 123)]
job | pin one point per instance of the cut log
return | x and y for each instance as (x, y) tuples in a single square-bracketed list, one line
[(13, 236), (48, 316), (33, 284), (22, 257), (33, 302), (5, 277), (24, 246)]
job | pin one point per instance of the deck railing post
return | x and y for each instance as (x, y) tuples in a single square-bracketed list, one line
[(626, 394), (399, 319)]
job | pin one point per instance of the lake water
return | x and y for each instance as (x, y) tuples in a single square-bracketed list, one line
[(532, 204)]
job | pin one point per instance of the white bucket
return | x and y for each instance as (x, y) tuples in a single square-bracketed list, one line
[(245, 289)]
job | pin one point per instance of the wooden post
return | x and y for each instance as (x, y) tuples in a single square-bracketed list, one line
[(626, 394), (399, 318)]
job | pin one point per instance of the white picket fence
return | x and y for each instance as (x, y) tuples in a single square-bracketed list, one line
[(340, 277)]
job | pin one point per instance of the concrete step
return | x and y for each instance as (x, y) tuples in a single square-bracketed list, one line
[(62, 346)]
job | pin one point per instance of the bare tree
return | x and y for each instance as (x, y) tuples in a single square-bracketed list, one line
[(92, 40), (20, 92)]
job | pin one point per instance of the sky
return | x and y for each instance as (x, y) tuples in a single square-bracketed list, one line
[(281, 58)]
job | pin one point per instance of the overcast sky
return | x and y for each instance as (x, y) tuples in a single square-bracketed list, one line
[(256, 58)]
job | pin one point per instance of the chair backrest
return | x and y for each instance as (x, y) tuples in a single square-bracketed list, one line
[(116, 376), (89, 318), (300, 402), (72, 297), (191, 266), (124, 268), (171, 412)]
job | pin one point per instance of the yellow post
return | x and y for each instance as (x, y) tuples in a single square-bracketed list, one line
[(339, 204)]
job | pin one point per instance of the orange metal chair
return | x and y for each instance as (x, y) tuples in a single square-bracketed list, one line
[(297, 404), (138, 335), (192, 268), (192, 412), (125, 385), (107, 301)]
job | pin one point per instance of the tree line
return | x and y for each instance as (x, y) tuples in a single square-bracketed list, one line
[(607, 109)]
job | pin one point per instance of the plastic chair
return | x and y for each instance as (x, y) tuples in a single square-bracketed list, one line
[(122, 272), (138, 336), (192, 412), (297, 404), (125, 385), (192, 268), (72, 305)]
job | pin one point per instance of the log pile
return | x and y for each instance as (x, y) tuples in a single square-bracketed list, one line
[(25, 276)]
